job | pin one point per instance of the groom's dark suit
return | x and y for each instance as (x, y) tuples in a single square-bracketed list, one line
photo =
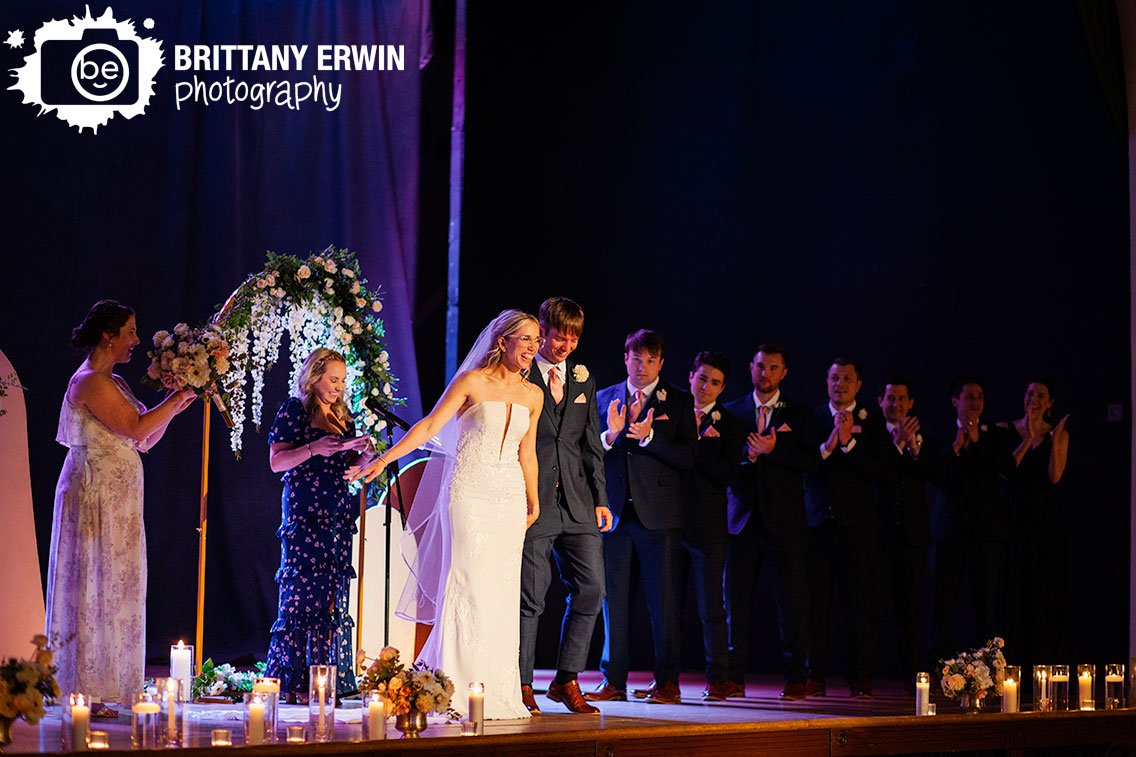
[(645, 493), (570, 486)]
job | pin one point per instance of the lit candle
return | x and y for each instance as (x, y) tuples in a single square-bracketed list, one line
[(222, 737), (146, 708), (80, 722), (922, 693), (295, 734), (256, 722), (172, 685), (99, 741), (477, 706), (181, 667), (321, 684), (1009, 695), (1085, 690), (1043, 678), (1112, 678), (377, 718)]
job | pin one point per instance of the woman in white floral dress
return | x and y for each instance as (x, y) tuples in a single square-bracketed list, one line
[(96, 585)]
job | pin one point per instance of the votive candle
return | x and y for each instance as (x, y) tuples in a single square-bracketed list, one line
[(222, 737), (98, 740)]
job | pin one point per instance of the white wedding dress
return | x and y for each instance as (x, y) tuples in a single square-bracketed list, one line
[(477, 636)]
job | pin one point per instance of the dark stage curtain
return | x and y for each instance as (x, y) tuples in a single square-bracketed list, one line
[(168, 212)]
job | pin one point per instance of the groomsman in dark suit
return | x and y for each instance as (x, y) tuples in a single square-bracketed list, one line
[(648, 433), (573, 507), (766, 509), (840, 497), (705, 534), (970, 521), (910, 465)]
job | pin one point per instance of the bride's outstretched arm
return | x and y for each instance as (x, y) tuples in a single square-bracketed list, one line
[(527, 455), (452, 400)]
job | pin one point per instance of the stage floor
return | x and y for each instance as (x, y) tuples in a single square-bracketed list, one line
[(757, 724)]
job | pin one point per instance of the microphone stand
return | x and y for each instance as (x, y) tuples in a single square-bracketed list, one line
[(394, 487)]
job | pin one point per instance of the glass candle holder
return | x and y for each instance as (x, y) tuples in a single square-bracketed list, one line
[(1011, 683), (1042, 683), (270, 687), (1059, 687), (181, 668), (374, 715), (1114, 686), (477, 706), (98, 741), (468, 728), (295, 734), (76, 723), (170, 699), (321, 702), (1086, 674), (146, 722), (222, 737), (256, 703), (922, 693)]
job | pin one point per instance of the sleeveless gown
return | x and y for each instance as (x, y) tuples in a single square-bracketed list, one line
[(477, 637), (96, 577)]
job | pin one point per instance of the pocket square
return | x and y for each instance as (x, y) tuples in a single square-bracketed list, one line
[(783, 428), (710, 433), (857, 429), (662, 417), (580, 399)]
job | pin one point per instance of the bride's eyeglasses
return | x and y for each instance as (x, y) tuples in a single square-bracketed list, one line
[(528, 341)]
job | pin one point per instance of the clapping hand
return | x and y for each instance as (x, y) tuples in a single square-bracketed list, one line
[(642, 429), (757, 445), (1060, 435), (842, 424), (903, 433), (616, 419)]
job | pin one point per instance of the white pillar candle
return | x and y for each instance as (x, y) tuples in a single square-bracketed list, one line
[(377, 718), (181, 667), (80, 722), (1009, 695), (256, 723), (477, 706), (321, 683), (266, 687), (1085, 690), (1114, 679), (922, 693)]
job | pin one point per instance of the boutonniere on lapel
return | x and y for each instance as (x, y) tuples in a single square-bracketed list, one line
[(983, 428), (580, 373), (661, 394), (715, 416), (863, 414), (779, 405)]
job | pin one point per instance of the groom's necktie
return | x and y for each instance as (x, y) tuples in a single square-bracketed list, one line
[(555, 385)]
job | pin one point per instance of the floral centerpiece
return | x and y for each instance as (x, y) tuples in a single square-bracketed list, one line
[(406, 690), (27, 685), (972, 676), (225, 680), (192, 358)]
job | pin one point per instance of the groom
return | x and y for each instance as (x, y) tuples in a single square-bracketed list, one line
[(573, 507)]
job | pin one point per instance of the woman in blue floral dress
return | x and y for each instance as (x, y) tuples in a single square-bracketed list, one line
[(312, 443)]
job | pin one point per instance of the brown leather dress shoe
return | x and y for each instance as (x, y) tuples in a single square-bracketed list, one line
[(529, 700), (794, 690), (735, 690), (861, 689), (814, 688), (643, 693), (570, 696), (716, 691), (668, 693), (605, 692)]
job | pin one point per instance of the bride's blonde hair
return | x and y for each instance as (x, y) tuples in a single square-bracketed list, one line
[(508, 323), (309, 375)]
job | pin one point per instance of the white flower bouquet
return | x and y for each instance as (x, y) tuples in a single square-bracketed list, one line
[(975, 674)]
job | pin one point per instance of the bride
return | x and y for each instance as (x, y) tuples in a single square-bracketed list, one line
[(466, 576)]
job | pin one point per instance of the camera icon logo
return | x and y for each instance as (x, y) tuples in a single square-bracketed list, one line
[(89, 70), (99, 68)]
